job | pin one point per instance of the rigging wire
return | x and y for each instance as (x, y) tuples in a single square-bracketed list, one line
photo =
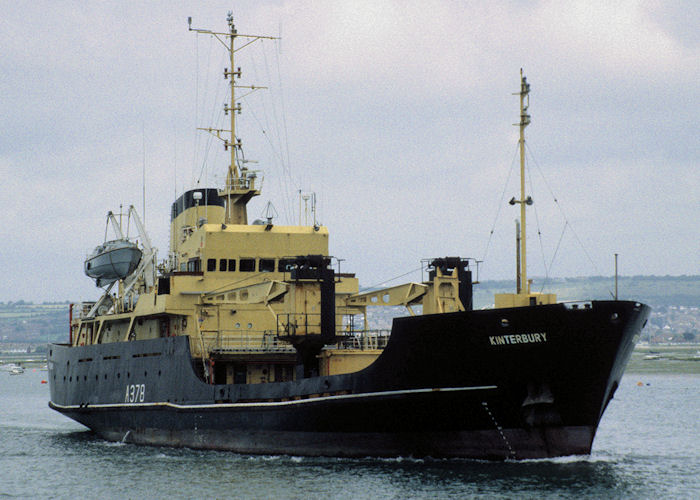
[(197, 133), (563, 214), (207, 149), (277, 154), (274, 137), (269, 124), (215, 111), (288, 168), (194, 178), (567, 223), (500, 206), (367, 288), (556, 250), (539, 231), (284, 188), (195, 137), (277, 140)]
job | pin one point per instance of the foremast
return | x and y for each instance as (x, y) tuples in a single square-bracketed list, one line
[(523, 295), (523, 286), (240, 181)]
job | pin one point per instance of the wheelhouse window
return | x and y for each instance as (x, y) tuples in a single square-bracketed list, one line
[(194, 265), (232, 265), (222, 264), (285, 265), (247, 265), (267, 265), (211, 264)]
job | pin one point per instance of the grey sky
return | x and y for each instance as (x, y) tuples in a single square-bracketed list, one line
[(397, 114)]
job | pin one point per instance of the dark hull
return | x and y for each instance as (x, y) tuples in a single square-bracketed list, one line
[(511, 383)]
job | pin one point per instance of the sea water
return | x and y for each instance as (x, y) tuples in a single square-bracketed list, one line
[(648, 446)]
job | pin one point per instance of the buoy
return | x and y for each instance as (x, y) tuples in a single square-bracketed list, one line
[(44, 382), (639, 384)]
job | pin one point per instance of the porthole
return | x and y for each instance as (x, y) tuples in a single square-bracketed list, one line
[(119, 375), (159, 373), (128, 375), (145, 374), (250, 325)]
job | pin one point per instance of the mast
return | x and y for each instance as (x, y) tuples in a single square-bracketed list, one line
[(523, 296), (240, 182), (523, 286)]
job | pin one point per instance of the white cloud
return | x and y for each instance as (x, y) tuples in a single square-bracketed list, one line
[(398, 114)]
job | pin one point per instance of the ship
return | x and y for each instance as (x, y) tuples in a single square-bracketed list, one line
[(248, 338)]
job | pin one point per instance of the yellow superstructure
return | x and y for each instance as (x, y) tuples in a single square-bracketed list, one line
[(259, 302)]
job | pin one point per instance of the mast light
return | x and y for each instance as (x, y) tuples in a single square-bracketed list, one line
[(528, 201)]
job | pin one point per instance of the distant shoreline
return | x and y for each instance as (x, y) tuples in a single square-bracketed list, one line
[(665, 359)]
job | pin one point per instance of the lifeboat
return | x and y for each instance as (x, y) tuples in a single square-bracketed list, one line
[(112, 261)]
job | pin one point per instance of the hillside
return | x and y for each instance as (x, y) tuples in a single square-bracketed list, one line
[(25, 322), (675, 301), (656, 291)]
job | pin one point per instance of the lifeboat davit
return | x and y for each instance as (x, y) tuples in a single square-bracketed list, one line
[(112, 261)]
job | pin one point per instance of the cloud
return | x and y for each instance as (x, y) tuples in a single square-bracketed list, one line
[(398, 114)]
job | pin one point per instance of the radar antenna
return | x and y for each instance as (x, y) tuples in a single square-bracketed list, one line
[(240, 182)]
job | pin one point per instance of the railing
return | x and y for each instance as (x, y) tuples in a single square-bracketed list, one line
[(246, 180), (364, 339), (298, 324), (234, 341), (250, 342), (81, 309)]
